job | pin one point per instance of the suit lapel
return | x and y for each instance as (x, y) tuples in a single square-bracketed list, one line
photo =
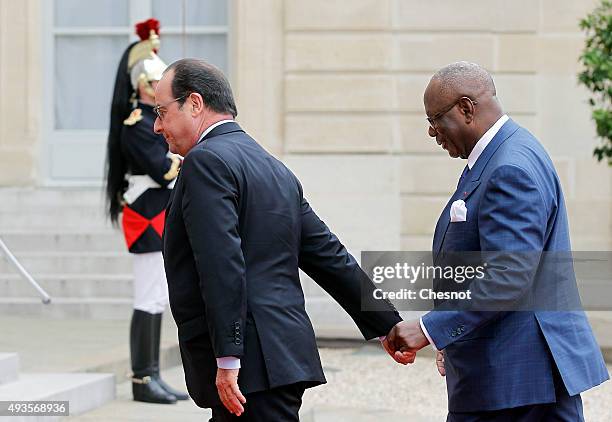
[(471, 182)]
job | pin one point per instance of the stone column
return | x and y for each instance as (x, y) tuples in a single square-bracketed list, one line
[(20, 83)]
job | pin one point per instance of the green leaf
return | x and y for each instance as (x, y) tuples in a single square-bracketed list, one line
[(596, 58)]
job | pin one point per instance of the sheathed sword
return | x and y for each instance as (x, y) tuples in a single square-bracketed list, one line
[(46, 299)]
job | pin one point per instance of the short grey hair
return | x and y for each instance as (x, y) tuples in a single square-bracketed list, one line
[(195, 75), (464, 78)]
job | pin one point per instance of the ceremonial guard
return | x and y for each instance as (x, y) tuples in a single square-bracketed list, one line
[(140, 175)]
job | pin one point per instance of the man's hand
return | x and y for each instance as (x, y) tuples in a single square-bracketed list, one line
[(227, 386), (404, 358), (404, 340), (440, 362)]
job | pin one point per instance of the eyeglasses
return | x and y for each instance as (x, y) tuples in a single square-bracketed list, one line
[(158, 108), (432, 119)]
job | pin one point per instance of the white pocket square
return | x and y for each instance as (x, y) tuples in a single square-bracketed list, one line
[(458, 211)]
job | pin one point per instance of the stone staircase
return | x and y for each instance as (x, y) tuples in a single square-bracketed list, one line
[(62, 238), (84, 392)]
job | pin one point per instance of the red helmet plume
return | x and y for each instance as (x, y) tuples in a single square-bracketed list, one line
[(143, 29)]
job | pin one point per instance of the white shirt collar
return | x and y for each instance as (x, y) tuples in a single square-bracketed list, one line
[(211, 127), (484, 141)]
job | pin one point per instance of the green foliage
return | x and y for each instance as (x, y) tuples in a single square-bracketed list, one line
[(597, 75)]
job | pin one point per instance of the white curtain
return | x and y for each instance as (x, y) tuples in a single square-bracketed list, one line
[(84, 13), (212, 48), (85, 68)]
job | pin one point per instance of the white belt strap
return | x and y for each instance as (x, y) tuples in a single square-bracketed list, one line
[(139, 184)]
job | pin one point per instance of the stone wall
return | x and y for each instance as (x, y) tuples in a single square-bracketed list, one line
[(354, 77)]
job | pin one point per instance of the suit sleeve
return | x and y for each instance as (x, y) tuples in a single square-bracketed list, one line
[(325, 259), (210, 212), (512, 221), (147, 149)]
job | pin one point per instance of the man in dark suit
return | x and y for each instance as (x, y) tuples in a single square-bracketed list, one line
[(502, 365), (237, 229)]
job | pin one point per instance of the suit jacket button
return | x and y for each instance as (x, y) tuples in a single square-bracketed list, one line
[(237, 342)]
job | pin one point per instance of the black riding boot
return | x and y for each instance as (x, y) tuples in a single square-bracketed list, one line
[(144, 386), (157, 319)]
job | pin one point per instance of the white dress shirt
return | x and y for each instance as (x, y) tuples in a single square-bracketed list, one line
[(485, 139), (472, 158), (211, 127)]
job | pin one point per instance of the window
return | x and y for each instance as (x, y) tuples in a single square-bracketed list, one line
[(83, 48)]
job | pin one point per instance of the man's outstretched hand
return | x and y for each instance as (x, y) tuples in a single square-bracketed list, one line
[(227, 386), (404, 340), (400, 357)]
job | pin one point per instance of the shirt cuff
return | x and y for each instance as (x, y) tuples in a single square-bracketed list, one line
[(228, 362), (427, 334)]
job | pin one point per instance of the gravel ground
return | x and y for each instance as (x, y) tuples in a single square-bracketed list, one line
[(364, 385), (366, 378)]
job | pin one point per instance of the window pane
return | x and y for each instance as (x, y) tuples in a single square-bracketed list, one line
[(91, 13), (85, 69), (198, 12), (211, 48)]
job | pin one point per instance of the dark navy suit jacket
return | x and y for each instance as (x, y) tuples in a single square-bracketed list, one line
[(502, 359), (237, 230)]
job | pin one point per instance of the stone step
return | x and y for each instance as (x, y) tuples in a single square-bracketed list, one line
[(67, 307), (39, 241), (69, 285), (84, 392), (9, 367), (70, 263), (328, 318), (71, 219), (21, 198), (80, 206)]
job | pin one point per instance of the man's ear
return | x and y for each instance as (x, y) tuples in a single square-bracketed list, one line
[(467, 109), (197, 104)]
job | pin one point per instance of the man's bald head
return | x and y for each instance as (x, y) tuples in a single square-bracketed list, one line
[(461, 104), (464, 79)]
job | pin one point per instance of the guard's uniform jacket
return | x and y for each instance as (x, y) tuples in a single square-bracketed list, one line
[(151, 176)]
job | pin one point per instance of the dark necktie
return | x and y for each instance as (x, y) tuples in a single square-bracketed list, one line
[(466, 170)]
